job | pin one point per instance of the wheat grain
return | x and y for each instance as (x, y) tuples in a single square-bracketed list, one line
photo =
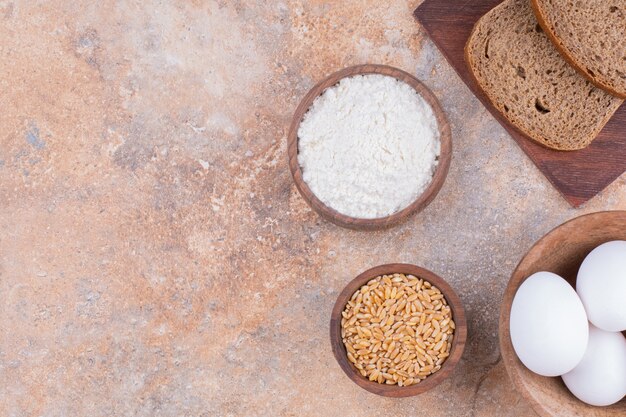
[(397, 329)]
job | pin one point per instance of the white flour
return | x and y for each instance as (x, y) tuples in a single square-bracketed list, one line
[(368, 146)]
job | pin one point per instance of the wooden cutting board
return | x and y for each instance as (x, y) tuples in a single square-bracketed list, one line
[(578, 175)]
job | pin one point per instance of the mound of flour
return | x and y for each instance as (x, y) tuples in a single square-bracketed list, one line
[(368, 146)]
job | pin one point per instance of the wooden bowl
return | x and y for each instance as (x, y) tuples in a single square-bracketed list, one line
[(422, 201), (458, 343), (561, 251)]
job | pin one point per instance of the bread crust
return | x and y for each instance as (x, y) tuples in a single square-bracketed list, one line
[(571, 59)]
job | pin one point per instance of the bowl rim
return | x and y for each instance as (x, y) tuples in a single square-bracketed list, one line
[(506, 348), (439, 176), (458, 344)]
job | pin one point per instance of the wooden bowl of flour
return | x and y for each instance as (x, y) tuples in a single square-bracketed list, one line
[(421, 201)]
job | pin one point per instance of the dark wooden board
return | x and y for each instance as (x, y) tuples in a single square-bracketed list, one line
[(578, 175)]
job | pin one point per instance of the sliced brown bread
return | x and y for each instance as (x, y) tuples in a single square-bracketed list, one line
[(529, 82), (591, 35)]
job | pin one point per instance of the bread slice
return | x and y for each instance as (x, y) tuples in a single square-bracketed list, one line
[(591, 35), (529, 82)]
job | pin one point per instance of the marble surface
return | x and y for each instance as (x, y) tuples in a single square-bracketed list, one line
[(155, 256)]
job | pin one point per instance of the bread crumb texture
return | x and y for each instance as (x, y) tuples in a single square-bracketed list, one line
[(531, 84), (591, 35)]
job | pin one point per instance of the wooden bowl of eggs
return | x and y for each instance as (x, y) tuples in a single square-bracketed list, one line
[(369, 146), (398, 330), (572, 280)]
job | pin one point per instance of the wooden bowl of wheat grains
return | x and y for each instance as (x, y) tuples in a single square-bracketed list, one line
[(422, 200), (458, 343)]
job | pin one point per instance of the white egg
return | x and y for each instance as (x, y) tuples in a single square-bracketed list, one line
[(601, 285), (600, 377), (548, 325)]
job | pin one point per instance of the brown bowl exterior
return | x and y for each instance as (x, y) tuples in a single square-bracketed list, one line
[(458, 344), (561, 251), (422, 201)]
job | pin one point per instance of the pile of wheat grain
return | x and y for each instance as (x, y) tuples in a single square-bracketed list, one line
[(397, 329)]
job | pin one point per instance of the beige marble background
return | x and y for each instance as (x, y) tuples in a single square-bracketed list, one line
[(155, 257)]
